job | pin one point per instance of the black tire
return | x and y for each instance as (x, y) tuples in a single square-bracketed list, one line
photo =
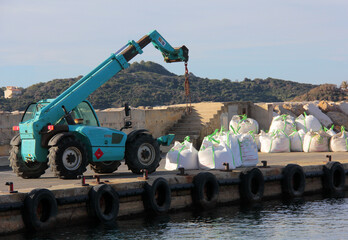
[(251, 186), (68, 159), (105, 167), (334, 177), (40, 210), (294, 181), (205, 190), (25, 169), (157, 198), (103, 203), (142, 153)]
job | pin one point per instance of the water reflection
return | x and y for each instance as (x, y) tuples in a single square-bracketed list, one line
[(310, 218)]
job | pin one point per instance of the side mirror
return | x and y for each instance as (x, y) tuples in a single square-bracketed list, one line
[(126, 109)]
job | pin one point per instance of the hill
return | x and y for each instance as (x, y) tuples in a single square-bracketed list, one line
[(150, 84), (323, 92)]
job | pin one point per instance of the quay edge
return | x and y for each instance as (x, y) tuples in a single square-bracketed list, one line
[(72, 199)]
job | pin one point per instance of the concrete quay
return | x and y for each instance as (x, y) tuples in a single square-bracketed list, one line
[(72, 198)]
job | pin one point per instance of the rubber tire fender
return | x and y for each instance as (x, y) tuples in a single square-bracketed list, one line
[(334, 177), (251, 185), (103, 203), (294, 181), (205, 190), (157, 197), (40, 210)]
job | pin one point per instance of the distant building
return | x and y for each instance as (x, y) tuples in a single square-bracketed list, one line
[(11, 92)]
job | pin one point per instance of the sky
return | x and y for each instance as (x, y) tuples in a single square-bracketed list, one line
[(298, 40)]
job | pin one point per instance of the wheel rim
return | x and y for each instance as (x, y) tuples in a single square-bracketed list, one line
[(146, 154), (72, 158)]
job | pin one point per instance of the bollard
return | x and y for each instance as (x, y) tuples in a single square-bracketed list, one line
[(83, 180), (227, 167), (329, 157), (97, 177), (181, 172), (145, 174), (10, 187)]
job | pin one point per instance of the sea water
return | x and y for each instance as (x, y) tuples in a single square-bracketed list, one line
[(318, 218)]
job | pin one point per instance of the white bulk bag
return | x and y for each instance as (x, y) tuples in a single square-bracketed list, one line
[(296, 140), (182, 155), (213, 154), (330, 131), (284, 122), (275, 142), (242, 124), (307, 123), (232, 142), (257, 140), (248, 150), (339, 142), (316, 112), (316, 142)]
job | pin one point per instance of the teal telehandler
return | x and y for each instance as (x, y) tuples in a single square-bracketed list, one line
[(65, 132)]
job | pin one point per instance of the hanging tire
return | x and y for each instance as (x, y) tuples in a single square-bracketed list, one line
[(103, 203), (294, 181), (40, 210), (25, 169), (205, 190), (333, 178), (251, 186), (68, 159), (105, 167), (142, 153), (157, 197)]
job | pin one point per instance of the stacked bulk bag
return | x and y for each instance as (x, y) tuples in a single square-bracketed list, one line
[(182, 155), (296, 140), (214, 153), (277, 141), (316, 112), (330, 131), (308, 123), (257, 140), (231, 140), (316, 141), (241, 124), (248, 150), (339, 142), (284, 123)]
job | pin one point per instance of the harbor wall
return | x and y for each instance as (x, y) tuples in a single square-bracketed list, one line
[(157, 120)]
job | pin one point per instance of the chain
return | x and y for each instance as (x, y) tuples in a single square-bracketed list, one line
[(187, 90)]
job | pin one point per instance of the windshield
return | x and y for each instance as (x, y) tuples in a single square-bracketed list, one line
[(31, 110)]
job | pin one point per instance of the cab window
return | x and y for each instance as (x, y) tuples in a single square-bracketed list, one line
[(83, 114)]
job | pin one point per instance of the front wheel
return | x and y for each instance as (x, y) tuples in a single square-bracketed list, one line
[(25, 169), (142, 153), (68, 159)]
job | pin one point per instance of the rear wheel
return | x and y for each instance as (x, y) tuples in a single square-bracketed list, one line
[(142, 153), (25, 169), (68, 159), (105, 167)]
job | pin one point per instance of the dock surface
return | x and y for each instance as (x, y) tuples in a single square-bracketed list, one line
[(122, 175)]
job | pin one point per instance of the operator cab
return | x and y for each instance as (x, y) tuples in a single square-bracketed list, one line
[(83, 114)]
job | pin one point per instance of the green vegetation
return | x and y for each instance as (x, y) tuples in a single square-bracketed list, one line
[(150, 84)]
